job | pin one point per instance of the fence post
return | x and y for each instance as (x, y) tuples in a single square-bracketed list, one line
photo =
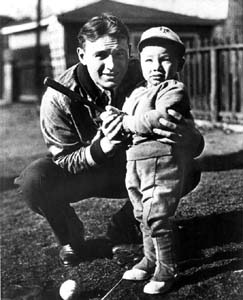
[(8, 93), (213, 92)]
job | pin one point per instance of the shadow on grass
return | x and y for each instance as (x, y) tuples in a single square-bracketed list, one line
[(97, 248), (193, 235), (93, 294), (206, 273), (221, 162), (203, 232), (7, 183), (236, 257)]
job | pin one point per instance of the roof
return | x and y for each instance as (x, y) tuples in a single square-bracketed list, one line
[(5, 21), (132, 14), (24, 25)]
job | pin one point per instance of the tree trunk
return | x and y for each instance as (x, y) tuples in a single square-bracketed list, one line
[(233, 28)]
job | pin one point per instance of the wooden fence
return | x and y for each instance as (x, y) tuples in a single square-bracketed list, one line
[(213, 74)]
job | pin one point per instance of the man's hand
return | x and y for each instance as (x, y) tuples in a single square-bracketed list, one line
[(180, 131), (112, 123)]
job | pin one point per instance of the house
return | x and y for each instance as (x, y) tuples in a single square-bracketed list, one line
[(58, 36), (19, 55), (4, 21)]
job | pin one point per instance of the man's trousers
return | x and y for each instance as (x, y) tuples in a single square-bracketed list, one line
[(48, 190)]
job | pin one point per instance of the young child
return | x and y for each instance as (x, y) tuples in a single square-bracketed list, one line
[(155, 170)]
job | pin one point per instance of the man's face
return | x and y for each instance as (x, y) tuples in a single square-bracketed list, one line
[(159, 63), (106, 60)]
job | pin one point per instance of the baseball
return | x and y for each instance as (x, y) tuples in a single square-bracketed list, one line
[(68, 290)]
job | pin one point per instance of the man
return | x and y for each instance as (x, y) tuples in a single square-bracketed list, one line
[(87, 154)]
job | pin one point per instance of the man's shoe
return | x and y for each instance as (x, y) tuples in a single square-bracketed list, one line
[(127, 254), (128, 248), (69, 257), (157, 287)]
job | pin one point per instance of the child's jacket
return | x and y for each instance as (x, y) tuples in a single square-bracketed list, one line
[(144, 104)]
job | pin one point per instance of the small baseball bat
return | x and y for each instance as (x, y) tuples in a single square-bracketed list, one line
[(69, 93)]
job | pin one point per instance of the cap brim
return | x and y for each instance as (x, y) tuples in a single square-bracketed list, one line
[(160, 40)]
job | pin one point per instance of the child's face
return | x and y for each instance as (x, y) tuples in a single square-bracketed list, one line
[(159, 63)]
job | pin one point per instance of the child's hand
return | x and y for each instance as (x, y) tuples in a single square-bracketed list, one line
[(113, 110), (112, 127)]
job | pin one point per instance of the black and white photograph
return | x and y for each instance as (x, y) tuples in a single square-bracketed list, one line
[(121, 154)]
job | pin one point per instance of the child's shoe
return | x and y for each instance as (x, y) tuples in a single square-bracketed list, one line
[(141, 271), (157, 287)]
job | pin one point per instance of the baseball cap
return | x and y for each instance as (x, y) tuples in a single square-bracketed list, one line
[(161, 33)]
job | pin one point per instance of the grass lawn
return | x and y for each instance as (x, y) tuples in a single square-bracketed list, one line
[(208, 222)]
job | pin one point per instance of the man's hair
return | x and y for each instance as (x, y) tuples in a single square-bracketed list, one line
[(105, 24)]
